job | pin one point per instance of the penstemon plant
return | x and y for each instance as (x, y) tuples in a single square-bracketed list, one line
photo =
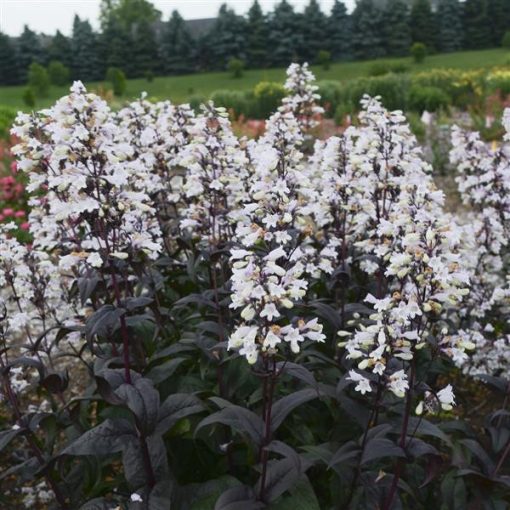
[(206, 322)]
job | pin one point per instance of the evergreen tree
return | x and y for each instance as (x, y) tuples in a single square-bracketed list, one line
[(499, 19), (115, 46), (227, 37), (285, 38), (449, 26), (177, 46), (422, 23), (145, 50), (9, 68), (476, 24), (257, 35), (60, 49), (29, 50), (314, 30), (396, 29), (340, 32), (367, 30), (85, 52)]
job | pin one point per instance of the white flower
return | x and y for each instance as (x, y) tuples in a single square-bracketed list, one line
[(363, 384)]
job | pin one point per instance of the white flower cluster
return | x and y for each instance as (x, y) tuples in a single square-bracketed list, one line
[(36, 298), (273, 239), (302, 99), (215, 169), (94, 205), (483, 178)]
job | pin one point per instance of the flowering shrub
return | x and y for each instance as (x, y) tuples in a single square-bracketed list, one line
[(202, 321)]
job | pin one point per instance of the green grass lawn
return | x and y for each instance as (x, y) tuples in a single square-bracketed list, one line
[(180, 88)]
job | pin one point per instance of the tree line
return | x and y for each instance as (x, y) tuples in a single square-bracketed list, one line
[(134, 38)]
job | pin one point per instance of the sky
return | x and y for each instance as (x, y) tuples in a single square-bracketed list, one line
[(48, 16)]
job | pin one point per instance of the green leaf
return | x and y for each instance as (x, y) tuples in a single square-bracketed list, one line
[(239, 419), (238, 498), (162, 372), (281, 476), (283, 407), (380, 447), (107, 438), (143, 401), (174, 408), (302, 497), (6, 436)]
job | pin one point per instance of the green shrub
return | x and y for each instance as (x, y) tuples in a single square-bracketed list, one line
[(382, 67), (324, 59), (235, 67), (431, 99), (7, 116), (232, 100), (329, 92), (268, 97), (59, 74), (29, 97), (341, 111), (505, 40), (378, 69), (117, 78), (149, 76), (38, 79), (195, 101), (392, 88), (418, 52)]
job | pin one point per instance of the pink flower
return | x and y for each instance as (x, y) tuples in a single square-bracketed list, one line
[(8, 211), (19, 214), (25, 226)]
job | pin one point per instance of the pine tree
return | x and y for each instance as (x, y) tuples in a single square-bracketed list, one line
[(285, 38), (340, 32), (145, 50), (257, 34), (314, 30), (367, 30), (115, 45), (9, 68), (227, 37), (422, 23), (499, 19), (29, 50), (476, 24), (396, 29), (177, 46), (85, 52), (449, 26), (60, 49)]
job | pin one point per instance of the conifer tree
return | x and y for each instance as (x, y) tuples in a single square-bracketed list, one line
[(477, 32), (9, 63), (29, 50), (314, 30), (228, 37), (367, 30), (145, 50), (340, 32), (177, 46), (396, 29), (423, 28), (85, 52), (257, 35), (499, 19), (449, 26), (60, 49), (285, 38)]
